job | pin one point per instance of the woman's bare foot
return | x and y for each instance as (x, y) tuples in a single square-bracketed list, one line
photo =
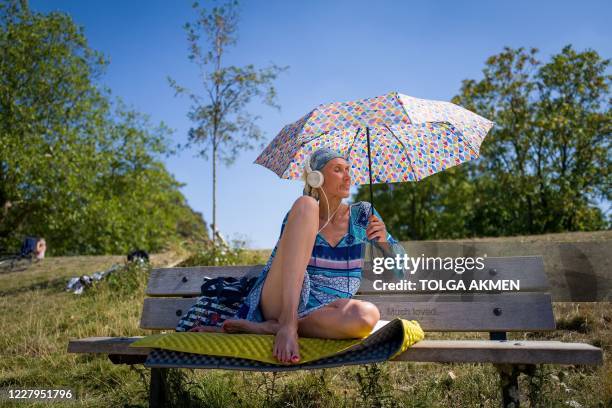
[(207, 329), (247, 326), (286, 348)]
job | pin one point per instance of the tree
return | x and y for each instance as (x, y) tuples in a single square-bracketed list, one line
[(75, 168), (222, 124), (547, 161), (542, 168)]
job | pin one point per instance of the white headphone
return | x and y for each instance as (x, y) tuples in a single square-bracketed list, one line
[(314, 178)]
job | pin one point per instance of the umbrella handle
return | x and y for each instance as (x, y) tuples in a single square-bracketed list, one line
[(370, 168), (370, 173)]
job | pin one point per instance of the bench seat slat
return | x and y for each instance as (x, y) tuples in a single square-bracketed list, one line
[(473, 312), (107, 345), (502, 352), (528, 270), (473, 351)]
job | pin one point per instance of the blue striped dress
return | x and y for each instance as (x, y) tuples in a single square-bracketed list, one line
[(332, 272)]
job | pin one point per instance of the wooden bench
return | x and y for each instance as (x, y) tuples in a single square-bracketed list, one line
[(172, 291)]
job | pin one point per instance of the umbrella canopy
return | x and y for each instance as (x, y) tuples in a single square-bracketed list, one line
[(389, 138)]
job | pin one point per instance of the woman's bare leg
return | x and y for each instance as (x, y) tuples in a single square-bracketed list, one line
[(281, 290), (341, 319)]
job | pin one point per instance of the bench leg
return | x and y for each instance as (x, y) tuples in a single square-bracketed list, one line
[(157, 390), (509, 374)]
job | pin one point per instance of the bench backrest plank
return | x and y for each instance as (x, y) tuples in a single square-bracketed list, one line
[(528, 270)]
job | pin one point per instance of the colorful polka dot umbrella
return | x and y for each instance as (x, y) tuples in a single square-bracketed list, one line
[(387, 139)]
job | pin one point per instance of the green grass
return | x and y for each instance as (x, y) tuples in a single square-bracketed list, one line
[(38, 318)]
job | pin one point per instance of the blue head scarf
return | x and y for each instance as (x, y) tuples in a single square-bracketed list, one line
[(321, 156)]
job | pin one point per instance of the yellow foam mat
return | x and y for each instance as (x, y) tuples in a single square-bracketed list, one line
[(258, 347), (412, 334)]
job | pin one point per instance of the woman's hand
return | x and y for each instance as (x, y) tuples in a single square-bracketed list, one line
[(376, 229)]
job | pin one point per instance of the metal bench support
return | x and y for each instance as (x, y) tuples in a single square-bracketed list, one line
[(157, 391)]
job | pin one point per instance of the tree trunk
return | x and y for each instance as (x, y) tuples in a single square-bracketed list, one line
[(214, 200)]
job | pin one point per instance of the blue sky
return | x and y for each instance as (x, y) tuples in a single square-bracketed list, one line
[(336, 51)]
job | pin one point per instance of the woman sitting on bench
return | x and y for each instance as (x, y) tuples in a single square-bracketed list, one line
[(307, 284)]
